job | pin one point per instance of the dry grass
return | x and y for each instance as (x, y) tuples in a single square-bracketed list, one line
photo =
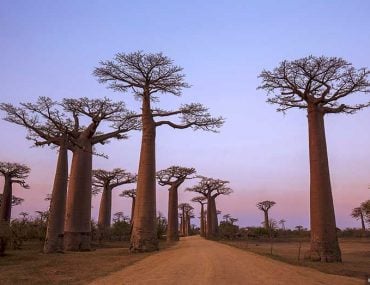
[(30, 266), (355, 255)]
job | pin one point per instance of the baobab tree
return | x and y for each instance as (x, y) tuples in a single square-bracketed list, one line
[(77, 227), (282, 223), (173, 177), (48, 125), (13, 173), (131, 193), (318, 85), (106, 181), (211, 189), (362, 213), (265, 207), (202, 201), (185, 213), (147, 76)]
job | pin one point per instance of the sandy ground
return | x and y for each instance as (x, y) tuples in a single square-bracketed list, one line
[(198, 261)]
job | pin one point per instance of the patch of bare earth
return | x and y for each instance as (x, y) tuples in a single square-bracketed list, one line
[(198, 261)]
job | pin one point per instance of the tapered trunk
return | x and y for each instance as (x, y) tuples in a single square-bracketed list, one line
[(6, 204), (266, 214), (181, 228), (144, 232), (214, 217), (77, 229), (202, 224), (55, 228), (324, 241), (105, 209), (188, 226), (173, 219), (183, 223), (210, 217)]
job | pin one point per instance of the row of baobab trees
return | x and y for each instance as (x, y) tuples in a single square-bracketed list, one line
[(318, 85), (78, 125)]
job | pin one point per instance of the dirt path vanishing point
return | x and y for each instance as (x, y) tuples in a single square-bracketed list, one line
[(198, 261)]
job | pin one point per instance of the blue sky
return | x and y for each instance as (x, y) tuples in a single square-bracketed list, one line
[(50, 48)]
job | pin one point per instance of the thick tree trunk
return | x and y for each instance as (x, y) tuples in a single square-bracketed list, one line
[(55, 229), (144, 232), (6, 204), (202, 226), (173, 219), (214, 219), (77, 229), (266, 214), (324, 241), (105, 211), (210, 218), (188, 226)]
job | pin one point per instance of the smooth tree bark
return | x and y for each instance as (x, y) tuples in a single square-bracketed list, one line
[(130, 193), (173, 176), (77, 226), (265, 206), (105, 181), (211, 189), (202, 201), (318, 85), (149, 75), (13, 173)]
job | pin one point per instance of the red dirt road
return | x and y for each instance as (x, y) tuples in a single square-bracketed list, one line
[(198, 261)]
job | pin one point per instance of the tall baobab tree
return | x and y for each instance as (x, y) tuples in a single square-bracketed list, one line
[(48, 125), (77, 227), (265, 207), (131, 193), (282, 223), (185, 217), (107, 181), (147, 76), (202, 201), (173, 176), (13, 173), (211, 189), (318, 85)]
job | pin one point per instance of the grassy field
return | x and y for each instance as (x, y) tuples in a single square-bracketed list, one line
[(355, 255), (30, 266)]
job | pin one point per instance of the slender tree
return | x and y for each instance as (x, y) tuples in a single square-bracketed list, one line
[(173, 177), (106, 181), (319, 85), (202, 201), (147, 76), (131, 193), (48, 125), (77, 227), (211, 189), (13, 173), (265, 207)]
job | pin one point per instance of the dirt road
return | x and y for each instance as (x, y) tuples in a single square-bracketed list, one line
[(198, 261)]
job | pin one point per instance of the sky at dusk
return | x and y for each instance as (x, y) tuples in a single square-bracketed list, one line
[(50, 48)]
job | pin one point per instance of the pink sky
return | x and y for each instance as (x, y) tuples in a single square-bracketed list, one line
[(51, 48)]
